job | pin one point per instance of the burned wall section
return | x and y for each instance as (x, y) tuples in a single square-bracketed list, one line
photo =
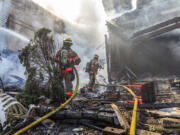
[(116, 51), (155, 57), (151, 57), (26, 17)]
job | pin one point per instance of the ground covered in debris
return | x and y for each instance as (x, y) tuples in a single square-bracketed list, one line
[(102, 113)]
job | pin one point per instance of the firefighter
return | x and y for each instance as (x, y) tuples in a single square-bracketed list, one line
[(67, 58), (92, 68)]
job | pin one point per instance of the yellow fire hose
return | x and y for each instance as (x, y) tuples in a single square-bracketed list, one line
[(54, 111), (133, 120)]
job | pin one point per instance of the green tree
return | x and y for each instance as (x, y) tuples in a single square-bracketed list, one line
[(43, 74)]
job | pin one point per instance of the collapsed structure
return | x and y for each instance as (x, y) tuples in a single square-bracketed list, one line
[(10, 108), (147, 53), (129, 56)]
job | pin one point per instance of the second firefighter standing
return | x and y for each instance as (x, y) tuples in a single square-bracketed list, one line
[(92, 68), (66, 59)]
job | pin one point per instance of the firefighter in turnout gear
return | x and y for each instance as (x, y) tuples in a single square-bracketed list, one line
[(67, 58), (92, 68)]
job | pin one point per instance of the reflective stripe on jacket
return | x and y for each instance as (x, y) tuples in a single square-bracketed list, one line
[(73, 59), (94, 65)]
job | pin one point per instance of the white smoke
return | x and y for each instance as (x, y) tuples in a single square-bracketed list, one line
[(156, 11), (85, 24), (146, 14), (87, 27), (85, 20), (66, 9), (116, 15)]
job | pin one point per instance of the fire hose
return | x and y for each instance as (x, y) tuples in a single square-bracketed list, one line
[(53, 111), (133, 120)]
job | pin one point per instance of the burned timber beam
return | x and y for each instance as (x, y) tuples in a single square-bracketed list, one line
[(105, 117), (156, 30), (144, 132), (171, 123), (158, 26), (156, 33), (149, 106)]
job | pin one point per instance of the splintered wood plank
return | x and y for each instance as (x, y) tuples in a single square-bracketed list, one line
[(144, 132), (123, 122), (113, 131)]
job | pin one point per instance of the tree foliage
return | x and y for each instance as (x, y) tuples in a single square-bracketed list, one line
[(43, 74)]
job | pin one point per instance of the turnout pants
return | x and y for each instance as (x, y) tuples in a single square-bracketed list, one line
[(68, 77), (91, 81)]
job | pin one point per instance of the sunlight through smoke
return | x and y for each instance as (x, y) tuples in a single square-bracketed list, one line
[(84, 23), (66, 9)]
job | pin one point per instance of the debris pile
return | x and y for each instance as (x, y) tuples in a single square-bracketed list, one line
[(104, 114)]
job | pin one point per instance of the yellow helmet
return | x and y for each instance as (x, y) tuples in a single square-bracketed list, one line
[(96, 56), (67, 41)]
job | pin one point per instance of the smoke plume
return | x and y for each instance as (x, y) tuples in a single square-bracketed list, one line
[(85, 24), (159, 55)]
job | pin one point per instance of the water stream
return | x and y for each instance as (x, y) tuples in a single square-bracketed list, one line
[(11, 71)]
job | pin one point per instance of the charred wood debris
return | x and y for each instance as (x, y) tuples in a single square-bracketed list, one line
[(91, 113), (103, 111)]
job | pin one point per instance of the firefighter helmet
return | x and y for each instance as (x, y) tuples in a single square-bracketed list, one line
[(67, 41), (96, 56)]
